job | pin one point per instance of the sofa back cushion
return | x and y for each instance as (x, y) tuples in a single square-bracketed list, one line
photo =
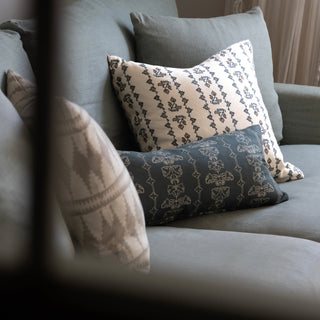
[(12, 55), (186, 42), (16, 164), (92, 29), (27, 31)]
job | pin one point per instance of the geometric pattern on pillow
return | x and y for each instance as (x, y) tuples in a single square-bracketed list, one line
[(168, 107), (22, 94), (96, 194), (217, 174), (194, 40)]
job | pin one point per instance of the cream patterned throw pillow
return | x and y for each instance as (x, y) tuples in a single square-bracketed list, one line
[(97, 197), (168, 107)]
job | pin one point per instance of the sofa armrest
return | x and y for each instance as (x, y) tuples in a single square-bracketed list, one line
[(300, 107)]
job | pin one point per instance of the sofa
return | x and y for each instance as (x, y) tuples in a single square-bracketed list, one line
[(251, 263)]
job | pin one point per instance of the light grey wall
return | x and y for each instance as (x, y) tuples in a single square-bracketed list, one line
[(200, 8), (16, 9)]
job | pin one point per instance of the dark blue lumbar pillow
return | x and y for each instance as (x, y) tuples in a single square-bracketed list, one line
[(217, 174)]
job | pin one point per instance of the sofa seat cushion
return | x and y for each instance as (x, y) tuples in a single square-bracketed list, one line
[(298, 217), (267, 261)]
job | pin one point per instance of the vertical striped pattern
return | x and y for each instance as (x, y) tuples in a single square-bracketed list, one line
[(220, 95)]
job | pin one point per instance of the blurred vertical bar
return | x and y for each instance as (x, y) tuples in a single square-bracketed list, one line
[(41, 235)]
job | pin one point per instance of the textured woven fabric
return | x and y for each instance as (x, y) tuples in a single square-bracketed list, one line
[(15, 185), (299, 217), (168, 107), (300, 107), (186, 42), (221, 173), (89, 29), (96, 194), (13, 57), (22, 94)]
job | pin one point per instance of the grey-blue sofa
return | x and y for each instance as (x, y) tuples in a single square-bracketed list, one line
[(261, 262)]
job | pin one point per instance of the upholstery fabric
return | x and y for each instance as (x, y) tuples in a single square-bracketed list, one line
[(13, 56), (27, 29), (300, 106), (216, 174), (96, 194), (90, 30), (186, 42), (168, 107), (265, 261), (15, 184), (22, 93), (16, 187), (299, 217)]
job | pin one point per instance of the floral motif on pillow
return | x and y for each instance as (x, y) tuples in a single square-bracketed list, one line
[(169, 107), (216, 174)]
